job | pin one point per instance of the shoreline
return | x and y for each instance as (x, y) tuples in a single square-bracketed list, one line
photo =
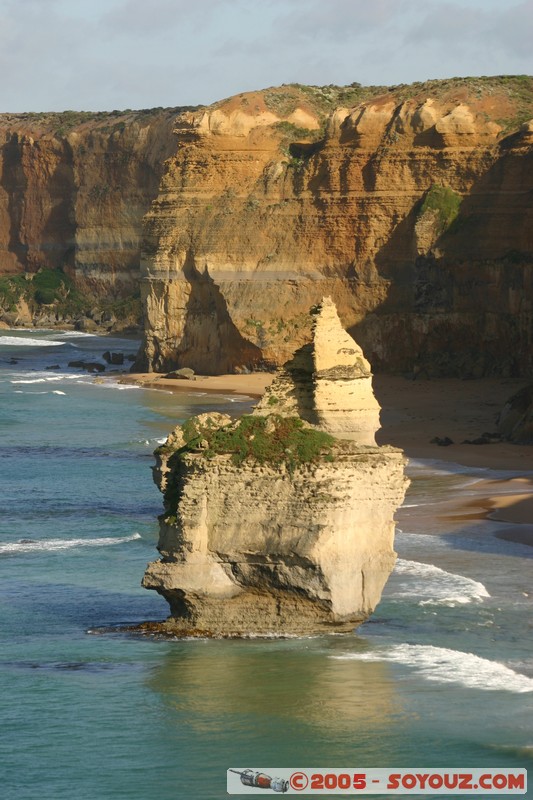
[(252, 384)]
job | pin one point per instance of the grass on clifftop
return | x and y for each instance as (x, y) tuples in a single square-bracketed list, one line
[(272, 440), (513, 94)]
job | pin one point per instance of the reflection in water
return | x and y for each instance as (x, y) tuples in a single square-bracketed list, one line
[(291, 687)]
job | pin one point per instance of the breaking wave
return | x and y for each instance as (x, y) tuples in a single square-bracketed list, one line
[(433, 585), (45, 545), (443, 665), (20, 341), (46, 378)]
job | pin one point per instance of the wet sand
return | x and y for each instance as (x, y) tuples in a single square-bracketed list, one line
[(253, 384), (414, 413)]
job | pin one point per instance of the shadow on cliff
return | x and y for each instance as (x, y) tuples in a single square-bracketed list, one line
[(59, 231), (14, 182), (464, 308), (211, 343), (301, 370), (41, 229)]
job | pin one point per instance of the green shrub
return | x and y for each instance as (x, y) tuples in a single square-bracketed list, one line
[(50, 280), (270, 440), (45, 297), (445, 201), (12, 289)]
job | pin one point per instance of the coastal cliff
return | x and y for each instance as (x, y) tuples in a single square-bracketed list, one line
[(271, 524), (74, 188), (410, 206)]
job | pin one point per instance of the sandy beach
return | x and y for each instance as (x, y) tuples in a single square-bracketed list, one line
[(414, 413), (253, 384)]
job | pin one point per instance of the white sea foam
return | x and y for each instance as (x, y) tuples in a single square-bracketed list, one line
[(23, 341), (75, 335), (33, 380), (39, 377), (443, 665), (35, 546), (435, 586), (111, 384), (21, 391), (149, 442)]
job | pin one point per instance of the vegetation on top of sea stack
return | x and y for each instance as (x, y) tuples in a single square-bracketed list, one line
[(271, 439)]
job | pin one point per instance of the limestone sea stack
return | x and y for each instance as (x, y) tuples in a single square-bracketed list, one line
[(272, 525)]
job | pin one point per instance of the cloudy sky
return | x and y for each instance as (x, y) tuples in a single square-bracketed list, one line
[(115, 54)]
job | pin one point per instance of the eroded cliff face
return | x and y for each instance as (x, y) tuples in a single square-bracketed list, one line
[(271, 525), (74, 188), (270, 202)]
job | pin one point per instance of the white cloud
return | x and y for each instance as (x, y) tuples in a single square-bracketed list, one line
[(105, 54)]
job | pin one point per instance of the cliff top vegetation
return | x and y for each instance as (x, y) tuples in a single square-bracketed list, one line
[(506, 99), (271, 439), (62, 122)]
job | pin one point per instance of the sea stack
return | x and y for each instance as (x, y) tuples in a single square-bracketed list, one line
[(281, 522)]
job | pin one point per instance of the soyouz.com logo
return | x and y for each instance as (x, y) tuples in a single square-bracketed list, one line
[(461, 781)]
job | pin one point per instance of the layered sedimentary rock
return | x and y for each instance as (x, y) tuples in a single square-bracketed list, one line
[(271, 525), (273, 200), (74, 188), (327, 383)]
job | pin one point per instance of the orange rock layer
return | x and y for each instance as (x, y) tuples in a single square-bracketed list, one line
[(271, 200), (74, 188), (261, 212)]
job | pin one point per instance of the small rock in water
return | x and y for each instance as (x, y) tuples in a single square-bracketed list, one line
[(116, 359), (53, 366)]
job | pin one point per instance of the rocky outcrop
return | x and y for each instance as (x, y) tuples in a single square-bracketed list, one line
[(271, 525), (327, 383), (515, 421), (259, 215)]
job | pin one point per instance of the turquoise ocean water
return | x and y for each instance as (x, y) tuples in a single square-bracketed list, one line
[(442, 675)]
